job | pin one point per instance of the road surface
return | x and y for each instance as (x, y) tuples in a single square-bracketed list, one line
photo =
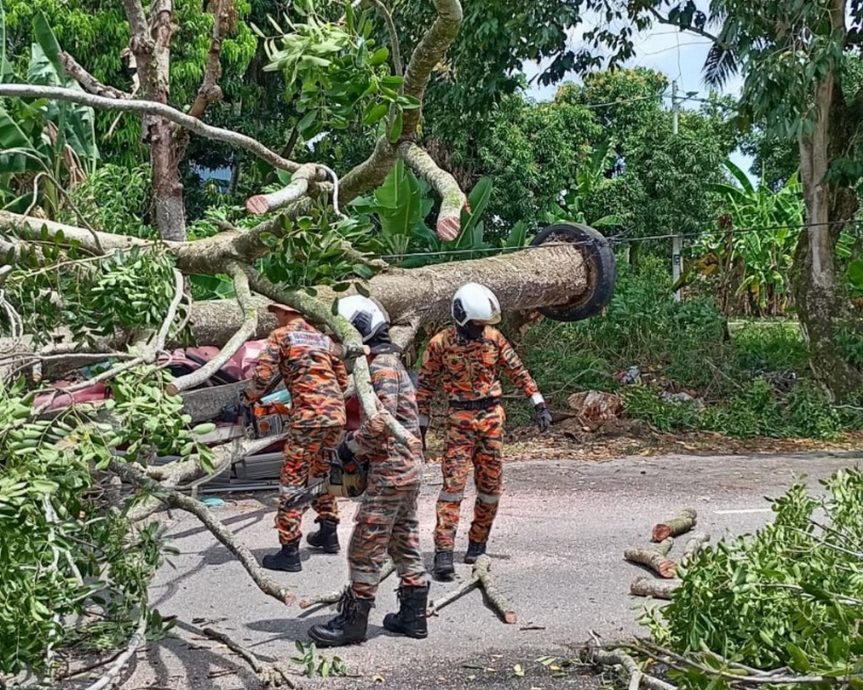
[(557, 552)]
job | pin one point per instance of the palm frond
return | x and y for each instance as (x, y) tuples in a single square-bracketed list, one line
[(720, 65)]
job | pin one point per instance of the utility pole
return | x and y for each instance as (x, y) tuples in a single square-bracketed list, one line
[(676, 241)]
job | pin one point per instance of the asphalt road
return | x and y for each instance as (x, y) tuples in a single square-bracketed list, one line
[(557, 553)]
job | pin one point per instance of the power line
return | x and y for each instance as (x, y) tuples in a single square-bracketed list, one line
[(619, 239)]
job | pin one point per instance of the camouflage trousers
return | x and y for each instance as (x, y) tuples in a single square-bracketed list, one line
[(305, 457), (386, 524), (473, 437)]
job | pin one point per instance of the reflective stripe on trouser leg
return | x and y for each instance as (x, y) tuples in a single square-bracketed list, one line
[(304, 456), (370, 541), (454, 466), (488, 474), (404, 546)]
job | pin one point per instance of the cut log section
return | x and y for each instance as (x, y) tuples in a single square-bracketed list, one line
[(650, 587), (333, 597), (693, 545), (480, 577), (681, 523), (655, 558)]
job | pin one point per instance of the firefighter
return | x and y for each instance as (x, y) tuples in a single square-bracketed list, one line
[(316, 379), (464, 359), (386, 523)]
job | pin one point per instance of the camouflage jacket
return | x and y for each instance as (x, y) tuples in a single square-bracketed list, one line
[(468, 369), (390, 463), (312, 372)]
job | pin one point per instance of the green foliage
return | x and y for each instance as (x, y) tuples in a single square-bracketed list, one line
[(334, 73), (127, 289), (46, 145), (96, 33), (754, 247), (787, 597), (115, 198), (63, 554), (751, 384), (317, 665)]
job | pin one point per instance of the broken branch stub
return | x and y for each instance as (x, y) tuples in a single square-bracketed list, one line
[(680, 524)]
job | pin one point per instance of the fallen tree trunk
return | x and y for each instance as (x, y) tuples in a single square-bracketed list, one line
[(681, 523), (524, 280)]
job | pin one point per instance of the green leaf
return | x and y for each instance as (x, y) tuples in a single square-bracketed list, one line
[(379, 57), (396, 129), (375, 113), (307, 120), (801, 661)]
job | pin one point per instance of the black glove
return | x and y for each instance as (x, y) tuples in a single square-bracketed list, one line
[(542, 416), (344, 453), (423, 430)]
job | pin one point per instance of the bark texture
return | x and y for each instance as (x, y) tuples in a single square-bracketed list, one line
[(681, 523), (817, 293), (650, 587)]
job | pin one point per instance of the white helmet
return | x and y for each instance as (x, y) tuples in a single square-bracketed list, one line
[(475, 302), (365, 314)]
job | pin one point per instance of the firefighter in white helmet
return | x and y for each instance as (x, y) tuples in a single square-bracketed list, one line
[(464, 360), (386, 523)]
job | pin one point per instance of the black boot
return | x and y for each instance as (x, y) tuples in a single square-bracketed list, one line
[(475, 549), (288, 559), (326, 538), (411, 618), (444, 570), (349, 626)]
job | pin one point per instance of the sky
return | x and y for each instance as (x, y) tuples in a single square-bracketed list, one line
[(663, 48)]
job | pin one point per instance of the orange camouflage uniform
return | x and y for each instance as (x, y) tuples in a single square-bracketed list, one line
[(316, 379), (386, 522), (467, 370)]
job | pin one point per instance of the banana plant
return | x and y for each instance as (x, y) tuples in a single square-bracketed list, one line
[(45, 147), (588, 179), (753, 250)]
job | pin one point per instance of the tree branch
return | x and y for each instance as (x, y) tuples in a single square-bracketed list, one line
[(175, 499), (136, 640), (154, 109), (453, 199), (87, 81), (395, 51), (692, 29), (430, 51), (210, 92), (246, 332), (301, 181)]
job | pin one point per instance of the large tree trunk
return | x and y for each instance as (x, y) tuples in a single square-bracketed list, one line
[(817, 292), (151, 46)]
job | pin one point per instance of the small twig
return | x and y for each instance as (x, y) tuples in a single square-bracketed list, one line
[(113, 671), (269, 673), (395, 53)]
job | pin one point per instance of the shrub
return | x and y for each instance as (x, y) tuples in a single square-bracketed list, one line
[(788, 596)]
